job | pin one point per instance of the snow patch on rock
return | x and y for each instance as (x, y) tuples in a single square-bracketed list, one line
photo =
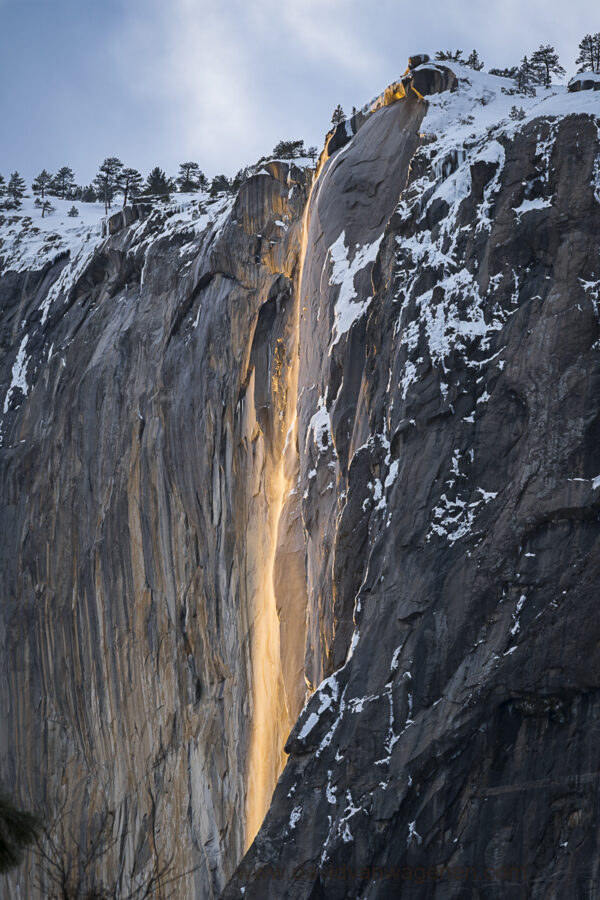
[(348, 308), (19, 373)]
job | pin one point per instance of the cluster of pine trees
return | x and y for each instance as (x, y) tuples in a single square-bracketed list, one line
[(112, 179), (537, 68), (117, 180)]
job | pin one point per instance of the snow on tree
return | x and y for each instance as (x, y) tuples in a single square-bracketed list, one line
[(130, 182), (106, 181), (338, 115), (589, 54), (544, 62), (41, 183), (474, 62), (45, 206), (63, 183)]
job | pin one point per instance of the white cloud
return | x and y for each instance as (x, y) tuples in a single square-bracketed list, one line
[(222, 82), (232, 78), (326, 30), (191, 60)]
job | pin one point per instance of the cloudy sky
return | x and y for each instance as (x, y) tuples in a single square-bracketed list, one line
[(156, 82)]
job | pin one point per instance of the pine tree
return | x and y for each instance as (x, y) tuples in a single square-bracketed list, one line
[(106, 181), (157, 183), (474, 62), (450, 56), (338, 115), (16, 187), (239, 179), (130, 182), (312, 152), (525, 77), (219, 184), (510, 72), (190, 177), (289, 149), (2, 191), (544, 62), (589, 54), (41, 183), (63, 183), (18, 829), (73, 212), (47, 208), (88, 194)]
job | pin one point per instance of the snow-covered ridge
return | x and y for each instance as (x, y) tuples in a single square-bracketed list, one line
[(483, 102), (30, 242), (462, 128)]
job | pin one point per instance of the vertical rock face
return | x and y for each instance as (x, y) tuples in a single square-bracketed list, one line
[(450, 472), (142, 476), (345, 438)]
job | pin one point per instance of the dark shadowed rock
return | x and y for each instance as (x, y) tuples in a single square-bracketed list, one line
[(418, 59), (432, 78), (586, 81)]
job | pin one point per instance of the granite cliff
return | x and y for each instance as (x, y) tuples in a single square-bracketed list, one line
[(299, 502)]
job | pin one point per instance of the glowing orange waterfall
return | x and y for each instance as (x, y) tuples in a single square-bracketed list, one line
[(270, 720), (271, 717)]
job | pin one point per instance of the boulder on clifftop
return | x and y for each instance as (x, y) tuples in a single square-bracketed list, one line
[(585, 81), (418, 59), (429, 78)]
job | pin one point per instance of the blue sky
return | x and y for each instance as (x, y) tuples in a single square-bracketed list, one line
[(156, 82)]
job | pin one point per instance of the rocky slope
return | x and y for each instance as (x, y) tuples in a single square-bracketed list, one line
[(333, 441)]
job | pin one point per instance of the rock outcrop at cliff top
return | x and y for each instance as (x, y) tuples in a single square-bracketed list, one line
[(344, 438), (585, 81)]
